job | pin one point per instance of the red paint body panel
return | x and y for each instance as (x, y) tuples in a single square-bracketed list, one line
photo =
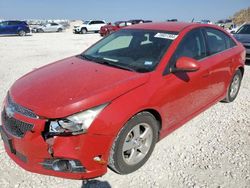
[(69, 87), (73, 85)]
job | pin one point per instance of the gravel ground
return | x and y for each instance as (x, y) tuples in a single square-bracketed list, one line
[(212, 150)]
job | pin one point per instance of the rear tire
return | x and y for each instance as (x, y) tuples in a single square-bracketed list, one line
[(134, 143), (40, 30), (21, 33), (234, 87)]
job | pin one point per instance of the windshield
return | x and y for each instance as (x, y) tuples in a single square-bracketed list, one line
[(134, 50), (245, 29), (85, 22)]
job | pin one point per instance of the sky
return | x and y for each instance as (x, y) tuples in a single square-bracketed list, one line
[(114, 10)]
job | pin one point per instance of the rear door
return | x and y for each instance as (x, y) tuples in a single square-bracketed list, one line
[(221, 54), (99, 24), (92, 26), (3, 26), (12, 27), (8, 28), (53, 27)]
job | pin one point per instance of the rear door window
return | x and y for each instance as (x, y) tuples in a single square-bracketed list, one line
[(3, 23), (99, 22), (217, 41)]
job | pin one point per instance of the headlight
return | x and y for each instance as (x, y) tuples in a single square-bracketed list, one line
[(75, 124)]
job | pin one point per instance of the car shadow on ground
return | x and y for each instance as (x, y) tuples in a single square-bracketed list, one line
[(95, 184), (13, 36)]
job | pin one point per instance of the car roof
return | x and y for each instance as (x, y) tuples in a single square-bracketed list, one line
[(167, 26)]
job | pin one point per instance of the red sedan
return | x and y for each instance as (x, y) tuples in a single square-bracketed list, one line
[(110, 105), (110, 28)]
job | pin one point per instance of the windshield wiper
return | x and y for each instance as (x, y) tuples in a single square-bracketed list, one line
[(105, 62), (87, 57)]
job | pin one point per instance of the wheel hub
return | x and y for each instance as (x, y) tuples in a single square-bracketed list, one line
[(137, 143)]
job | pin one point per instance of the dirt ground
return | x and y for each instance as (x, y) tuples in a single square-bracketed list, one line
[(212, 150)]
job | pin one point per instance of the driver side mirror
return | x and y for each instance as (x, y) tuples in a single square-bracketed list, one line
[(186, 64)]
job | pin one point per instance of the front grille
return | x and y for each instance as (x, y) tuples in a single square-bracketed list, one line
[(14, 126), (20, 109)]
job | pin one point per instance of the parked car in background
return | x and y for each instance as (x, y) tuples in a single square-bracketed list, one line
[(226, 23), (14, 27), (110, 28), (89, 26), (232, 29), (206, 22), (110, 105), (172, 20), (50, 27), (243, 36), (138, 21)]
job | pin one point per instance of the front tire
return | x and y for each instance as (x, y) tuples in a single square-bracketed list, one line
[(234, 87), (134, 143), (83, 31)]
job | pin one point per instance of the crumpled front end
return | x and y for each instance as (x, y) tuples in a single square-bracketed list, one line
[(81, 156)]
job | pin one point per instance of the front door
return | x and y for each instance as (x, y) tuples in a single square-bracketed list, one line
[(185, 93)]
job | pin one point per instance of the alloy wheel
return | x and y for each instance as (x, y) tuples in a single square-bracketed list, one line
[(137, 143)]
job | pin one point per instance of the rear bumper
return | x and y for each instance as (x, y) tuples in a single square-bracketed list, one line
[(32, 152)]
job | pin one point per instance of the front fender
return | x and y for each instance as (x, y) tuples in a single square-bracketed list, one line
[(120, 110)]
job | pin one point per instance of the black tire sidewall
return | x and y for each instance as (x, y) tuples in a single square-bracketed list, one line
[(20, 33), (229, 98), (120, 165), (83, 31)]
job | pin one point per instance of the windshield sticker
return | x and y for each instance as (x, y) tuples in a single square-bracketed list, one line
[(148, 63), (166, 36)]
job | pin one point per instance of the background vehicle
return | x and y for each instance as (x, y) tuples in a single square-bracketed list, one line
[(136, 84), (50, 27), (172, 20), (89, 26), (243, 36), (138, 21), (226, 23), (20, 28), (110, 28)]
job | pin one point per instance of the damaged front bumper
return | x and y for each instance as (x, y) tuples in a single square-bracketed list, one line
[(82, 156)]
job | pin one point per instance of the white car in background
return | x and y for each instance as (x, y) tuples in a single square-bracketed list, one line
[(50, 27), (89, 26)]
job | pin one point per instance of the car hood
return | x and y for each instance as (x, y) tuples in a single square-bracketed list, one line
[(243, 38), (72, 85)]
